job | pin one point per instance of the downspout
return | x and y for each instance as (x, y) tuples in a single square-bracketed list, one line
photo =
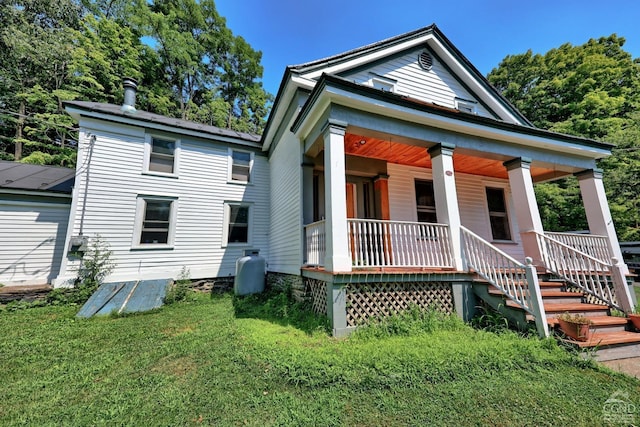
[(92, 141)]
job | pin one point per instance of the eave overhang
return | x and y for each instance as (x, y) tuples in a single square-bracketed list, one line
[(107, 113), (335, 90)]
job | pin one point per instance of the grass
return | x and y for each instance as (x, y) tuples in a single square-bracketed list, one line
[(263, 361)]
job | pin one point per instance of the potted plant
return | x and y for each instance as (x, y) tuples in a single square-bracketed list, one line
[(575, 326), (635, 317)]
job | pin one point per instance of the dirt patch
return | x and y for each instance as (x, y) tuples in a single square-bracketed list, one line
[(175, 367)]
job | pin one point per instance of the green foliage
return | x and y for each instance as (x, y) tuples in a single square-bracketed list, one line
[(95, 266), (179, 290), (591, 90), (205, 365), (279, 307), (490, 320), (53, 51), (411, 322)]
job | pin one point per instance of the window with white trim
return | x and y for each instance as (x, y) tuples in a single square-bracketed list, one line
[(240, 165), (498, 215), (466, 106), (425, 201), (383, 83), (162, 155), (237, 223), (155, 221)]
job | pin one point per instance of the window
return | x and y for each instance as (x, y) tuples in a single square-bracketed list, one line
[(425, 201), (155, 221), (383, 83), (237, 221), (240, 166), (498, 214), (162, 155), (466, 106)]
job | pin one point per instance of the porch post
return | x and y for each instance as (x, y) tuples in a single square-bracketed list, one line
[(526, 206), (597, 210), (444, 189), (337, 250), (307, 201)]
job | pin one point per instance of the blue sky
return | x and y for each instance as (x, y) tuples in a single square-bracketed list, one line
[(291, 32)]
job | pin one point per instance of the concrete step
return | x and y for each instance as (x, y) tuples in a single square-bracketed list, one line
[(611, 345)]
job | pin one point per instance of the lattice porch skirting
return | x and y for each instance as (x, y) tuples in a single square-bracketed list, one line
[(317, 291), (365, 300)]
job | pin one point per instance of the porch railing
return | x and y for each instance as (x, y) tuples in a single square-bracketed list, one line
[(316, 243), (382, 243), (518, 282), (593, 276), (590, 244)]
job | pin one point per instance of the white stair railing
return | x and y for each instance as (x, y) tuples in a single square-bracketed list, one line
[(603, 280), (590, 244), (383, 243), (518, 282)]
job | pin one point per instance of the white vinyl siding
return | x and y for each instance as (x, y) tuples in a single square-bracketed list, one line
[(471, 201), (202, 186), (286, 207), (32, 238), (436, 85)]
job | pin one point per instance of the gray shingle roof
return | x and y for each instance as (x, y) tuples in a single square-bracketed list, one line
[(22, 176), (146, 116)]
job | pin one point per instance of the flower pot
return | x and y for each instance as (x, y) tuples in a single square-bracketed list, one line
[(635, 319), (577, 331)]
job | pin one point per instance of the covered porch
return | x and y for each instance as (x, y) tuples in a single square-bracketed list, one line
[(389, 183)]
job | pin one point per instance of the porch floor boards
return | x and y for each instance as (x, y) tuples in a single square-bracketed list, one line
[(386, 270)]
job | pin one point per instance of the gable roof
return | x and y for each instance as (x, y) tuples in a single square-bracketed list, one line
[(334, 86), (23, 176), (114, 113), (304, 76)]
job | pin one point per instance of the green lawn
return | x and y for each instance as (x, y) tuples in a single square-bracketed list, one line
[(216, 361)]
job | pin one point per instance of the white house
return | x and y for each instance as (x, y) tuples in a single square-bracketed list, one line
[(166, 194), (390, 175), (34, 212)]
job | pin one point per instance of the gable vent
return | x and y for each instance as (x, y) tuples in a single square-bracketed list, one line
[(425, 60)]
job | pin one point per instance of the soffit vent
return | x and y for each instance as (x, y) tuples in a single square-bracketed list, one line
[(425, 60)]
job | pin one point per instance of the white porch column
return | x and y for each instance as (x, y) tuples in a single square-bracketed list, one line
[(444, 190), (597, 210), (526, 206), (337, 236)]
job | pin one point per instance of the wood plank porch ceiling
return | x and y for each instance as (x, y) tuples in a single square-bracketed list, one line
[(413, 155)]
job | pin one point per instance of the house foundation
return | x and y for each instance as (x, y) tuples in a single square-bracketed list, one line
[(349, 300)]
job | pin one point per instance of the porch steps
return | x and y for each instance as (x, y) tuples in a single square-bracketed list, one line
[(611, 337)]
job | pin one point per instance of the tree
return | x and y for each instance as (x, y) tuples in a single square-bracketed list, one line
[(203, 62), (592, 90), (35, 44)]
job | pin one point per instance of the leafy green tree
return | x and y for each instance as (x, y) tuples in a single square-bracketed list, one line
[(592, 90), (35, 45)]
